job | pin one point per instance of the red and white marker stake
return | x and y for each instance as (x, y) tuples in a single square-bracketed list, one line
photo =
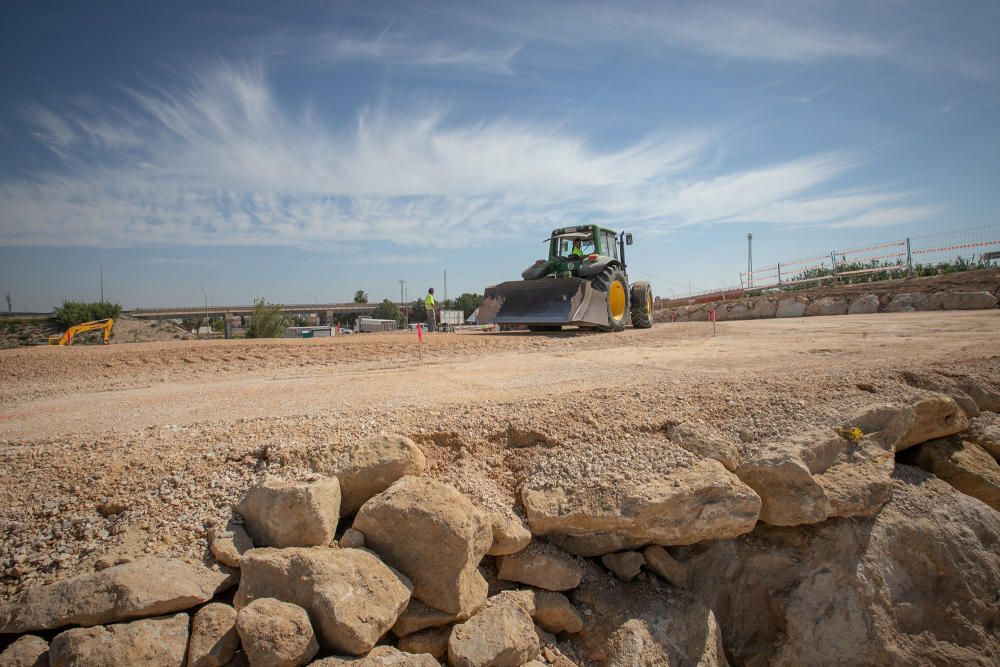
[(420, 341)]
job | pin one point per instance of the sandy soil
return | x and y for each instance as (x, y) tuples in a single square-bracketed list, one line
[(172, 433)]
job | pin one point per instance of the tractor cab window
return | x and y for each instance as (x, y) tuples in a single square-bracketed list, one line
[(564, 244), (610, 247)]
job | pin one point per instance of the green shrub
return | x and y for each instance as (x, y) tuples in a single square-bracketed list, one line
[(72, 313), (266, 320)]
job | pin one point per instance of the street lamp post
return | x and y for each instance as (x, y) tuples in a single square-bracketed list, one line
[(206, 312)]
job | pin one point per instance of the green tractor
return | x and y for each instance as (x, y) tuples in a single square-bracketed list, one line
[(582, 283)]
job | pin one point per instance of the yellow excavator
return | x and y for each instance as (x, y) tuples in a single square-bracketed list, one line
[(68, 335)]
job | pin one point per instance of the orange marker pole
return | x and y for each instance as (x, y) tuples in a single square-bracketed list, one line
[(420, 341)]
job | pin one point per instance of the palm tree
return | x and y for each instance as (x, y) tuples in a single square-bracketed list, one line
[(361, 296)]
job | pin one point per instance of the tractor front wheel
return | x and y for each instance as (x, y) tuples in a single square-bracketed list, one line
[(613, 283), (642, 305)]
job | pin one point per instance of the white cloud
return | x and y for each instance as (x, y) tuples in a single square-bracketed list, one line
[(390, 47), (220, 163), (765, 31)]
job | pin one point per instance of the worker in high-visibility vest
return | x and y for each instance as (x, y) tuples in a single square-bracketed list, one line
[(431, 311)]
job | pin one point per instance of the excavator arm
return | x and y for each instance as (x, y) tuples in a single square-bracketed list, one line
[(67, 337)]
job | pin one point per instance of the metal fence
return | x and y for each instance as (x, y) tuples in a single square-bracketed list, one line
[(975, 244), (899, 257)]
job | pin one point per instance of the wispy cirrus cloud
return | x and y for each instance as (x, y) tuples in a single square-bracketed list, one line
[(221, 163), (390, 46)]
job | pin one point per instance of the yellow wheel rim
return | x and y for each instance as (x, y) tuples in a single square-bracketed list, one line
[(649, 304), (616, 300)]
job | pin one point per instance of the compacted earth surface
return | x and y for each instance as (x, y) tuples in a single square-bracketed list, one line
[(809, 525)]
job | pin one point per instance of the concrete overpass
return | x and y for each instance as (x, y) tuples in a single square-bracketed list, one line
[(177, 313)]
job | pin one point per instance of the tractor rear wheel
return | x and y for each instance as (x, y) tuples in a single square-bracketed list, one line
[(612, 282), (642, 305)]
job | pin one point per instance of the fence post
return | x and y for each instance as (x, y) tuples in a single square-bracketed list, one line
[(779, 273), (909, 258), (833, 258)]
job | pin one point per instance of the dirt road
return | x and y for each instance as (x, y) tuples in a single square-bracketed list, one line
[(48, 392), (174, 432)]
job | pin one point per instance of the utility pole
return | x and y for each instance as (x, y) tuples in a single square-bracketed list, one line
[(749, 260), (101, 265), (402, 302)]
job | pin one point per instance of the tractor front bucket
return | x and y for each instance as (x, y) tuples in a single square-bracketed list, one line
[(545, 302)]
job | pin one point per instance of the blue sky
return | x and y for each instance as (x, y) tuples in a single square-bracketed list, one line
[(305, 150)]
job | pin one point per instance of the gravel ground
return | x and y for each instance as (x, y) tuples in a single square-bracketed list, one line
[(112, 452)]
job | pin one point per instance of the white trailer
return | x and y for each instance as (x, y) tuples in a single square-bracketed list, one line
[(449, 319)]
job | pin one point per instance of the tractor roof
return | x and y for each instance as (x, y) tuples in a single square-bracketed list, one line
[(578, 231)]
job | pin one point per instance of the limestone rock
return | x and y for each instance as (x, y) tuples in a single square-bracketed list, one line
[(899, 426), (276, 634), (555, 613), (985, 396), (636, 624), (214, 640), (419, 616), (156, 642), (819, 474), (968, 300), (688, 503), (292, 514), (499, 635), (864, 305), (913, 584), (369, 467), (144, 587), (827, 306), (943, 385), (433, 641), (541, 565), (912, 301), (509, 534), (381, 656), (661, 563), (352, 539), (984, 430), (699, 440), (26, 651), (964, 465), (764, 308), (435, 536), (791, 307), (228, 545), (625, 565), (351, 596)]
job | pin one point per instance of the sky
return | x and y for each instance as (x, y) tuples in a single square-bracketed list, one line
[(300, 151)]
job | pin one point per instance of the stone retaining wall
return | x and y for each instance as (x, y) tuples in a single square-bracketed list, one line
[(973, 291)]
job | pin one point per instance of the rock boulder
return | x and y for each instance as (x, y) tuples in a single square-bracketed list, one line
[(827, 306), (790, 308), (819, 474), (144, 587), (500, 635), (369, 467), (683, 501), (292, 514), (156, 642), (214, 640), (276, 634), (964, 465), (26, 651), (913, 584), (435, 536), (968, 300), (864, 305), (351, 596), (541, 565)]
